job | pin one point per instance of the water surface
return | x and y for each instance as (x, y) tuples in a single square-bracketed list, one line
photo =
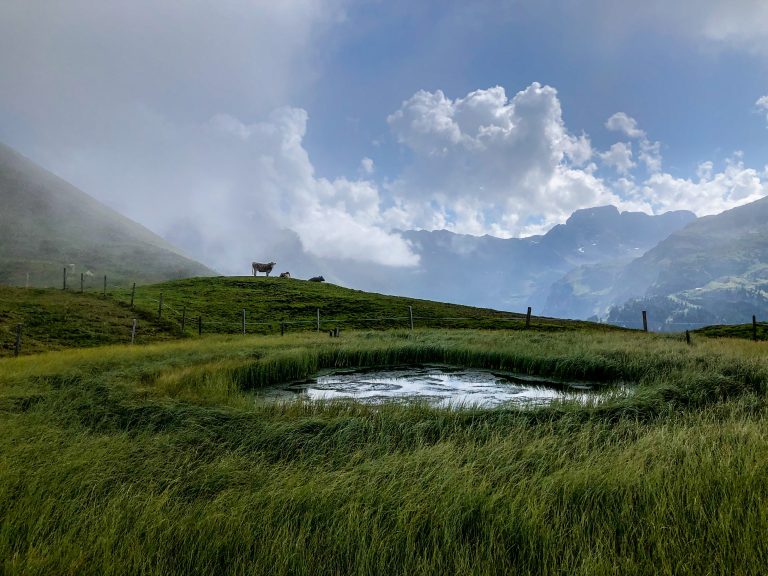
[(438, 385)]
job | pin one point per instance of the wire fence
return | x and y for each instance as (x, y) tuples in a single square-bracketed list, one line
[(177, 319)]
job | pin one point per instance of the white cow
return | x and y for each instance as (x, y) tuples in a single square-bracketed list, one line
[(259, 267)]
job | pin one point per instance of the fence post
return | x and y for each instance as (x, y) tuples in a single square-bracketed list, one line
[(243, 321), (160, 308), (199, 325), (133, 293), (645, 321), (64, 280), (410, 315), (27, 284), (282, 327), (17, 349), (81, 282), (687, 337), (318, 319), (754, 328), (528, 318), (105, 285), (133, 331), (183, 318)]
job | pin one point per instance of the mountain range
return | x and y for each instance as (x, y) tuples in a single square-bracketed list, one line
[(601, 264)]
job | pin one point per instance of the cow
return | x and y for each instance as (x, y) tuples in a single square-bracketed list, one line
[(317, 279), (259, 267), (285, 274)]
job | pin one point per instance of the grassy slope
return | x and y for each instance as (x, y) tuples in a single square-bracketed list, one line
[(271, 300), (55, 319), (155, 460), (46, 224)]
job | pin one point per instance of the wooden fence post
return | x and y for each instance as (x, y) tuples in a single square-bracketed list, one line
[(243, 321), (528, 318), (282, 327), (27, 284), (687, 337), (64, 280), (410, 315), (199, 325), (82, 277), (17, 349), (645, 321), (133, 331), (133, 293), (754, 328), (183, 318), (105, 285), (160, 308), (318, 319)]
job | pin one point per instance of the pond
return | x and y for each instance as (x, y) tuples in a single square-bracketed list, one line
[(437, 385)]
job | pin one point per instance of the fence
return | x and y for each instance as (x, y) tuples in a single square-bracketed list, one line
[(183, 320)]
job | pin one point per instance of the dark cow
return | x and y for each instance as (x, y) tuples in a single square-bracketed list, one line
[(285, 274), (259, 267), (317, 279)]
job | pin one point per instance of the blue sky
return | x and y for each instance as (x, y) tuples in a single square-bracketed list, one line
[(696, 96), (220, 124)]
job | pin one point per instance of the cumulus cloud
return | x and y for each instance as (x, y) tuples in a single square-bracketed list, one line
[(622, 122), (619, 157), (488, 163), (267, 181), (709, 194), (650, 152)]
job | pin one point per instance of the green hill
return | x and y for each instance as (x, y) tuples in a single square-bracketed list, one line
[(46, 224), (54, 319), (714, 271)]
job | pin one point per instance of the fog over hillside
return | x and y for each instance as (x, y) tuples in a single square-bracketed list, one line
[(47, 225)]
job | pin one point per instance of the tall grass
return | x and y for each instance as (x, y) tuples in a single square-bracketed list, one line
[(157, 460)]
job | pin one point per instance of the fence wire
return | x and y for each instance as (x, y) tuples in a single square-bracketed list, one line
[(195, 320)]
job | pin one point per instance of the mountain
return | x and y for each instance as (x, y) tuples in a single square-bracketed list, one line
[(715, 270), (46, 224), (515, 273)]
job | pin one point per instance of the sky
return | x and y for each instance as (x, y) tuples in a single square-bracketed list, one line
[(230, 126)]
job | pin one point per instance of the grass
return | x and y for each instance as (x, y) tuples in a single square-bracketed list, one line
[(54, 319), (157, 459), (735, 331)]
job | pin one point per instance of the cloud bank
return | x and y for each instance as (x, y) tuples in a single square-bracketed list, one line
[(485, 163)]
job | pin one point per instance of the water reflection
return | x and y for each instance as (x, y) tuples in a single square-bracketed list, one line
[(438, 385)]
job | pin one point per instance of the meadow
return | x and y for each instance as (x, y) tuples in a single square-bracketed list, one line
[(158, 459)]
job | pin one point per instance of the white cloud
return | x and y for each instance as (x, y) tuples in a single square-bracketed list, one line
[(619, 157), (486, 163), (622, 122), (274, 180), (650, 155), (366, 166), (650, 152), (762, 105), (709, 194)]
